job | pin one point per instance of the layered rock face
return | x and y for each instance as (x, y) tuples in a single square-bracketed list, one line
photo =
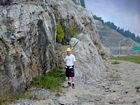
[(117, 43), (27, 42), (88, 49)]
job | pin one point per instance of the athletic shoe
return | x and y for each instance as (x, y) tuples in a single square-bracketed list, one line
[(69, 84), (73, 86)]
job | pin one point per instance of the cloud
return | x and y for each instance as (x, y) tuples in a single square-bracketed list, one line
[(130, 22), (136, 25)]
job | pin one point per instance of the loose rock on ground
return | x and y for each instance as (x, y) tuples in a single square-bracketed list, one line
[(119, 87)]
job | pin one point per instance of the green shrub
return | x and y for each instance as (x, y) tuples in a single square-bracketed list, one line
[(60, 33), (52, 80), (115, 62), (73, 29)]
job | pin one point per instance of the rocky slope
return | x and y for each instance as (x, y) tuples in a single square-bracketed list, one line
[(118, 44), (28, 42)]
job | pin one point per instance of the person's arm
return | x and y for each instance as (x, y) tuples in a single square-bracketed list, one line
[(74, 65), (64, 60), (74, 62)]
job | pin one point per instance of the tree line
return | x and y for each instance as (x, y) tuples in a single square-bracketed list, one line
[(82, 3), (125, 33)]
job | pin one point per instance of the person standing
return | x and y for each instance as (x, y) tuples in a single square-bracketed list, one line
[(70, 67)]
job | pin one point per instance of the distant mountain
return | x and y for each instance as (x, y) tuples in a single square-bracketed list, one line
[(125, 33), (117, 43)]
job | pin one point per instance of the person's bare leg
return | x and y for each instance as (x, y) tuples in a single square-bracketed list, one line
[(69, 82), (72, 79), (68, 79), (73, 86)]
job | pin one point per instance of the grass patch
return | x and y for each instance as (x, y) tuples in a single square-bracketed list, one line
[(5, 101), (114, 76), (135, 59), (52, 80), (115, 62)]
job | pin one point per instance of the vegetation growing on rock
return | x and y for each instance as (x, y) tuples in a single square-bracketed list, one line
[(52, 80), (73, 29), (60, 33)]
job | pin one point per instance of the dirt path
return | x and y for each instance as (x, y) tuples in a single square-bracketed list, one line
[(117, 88)]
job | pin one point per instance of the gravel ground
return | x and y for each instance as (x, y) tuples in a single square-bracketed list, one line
[(120, 86)]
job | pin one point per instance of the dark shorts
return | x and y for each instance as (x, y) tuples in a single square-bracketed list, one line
[(69, 72)]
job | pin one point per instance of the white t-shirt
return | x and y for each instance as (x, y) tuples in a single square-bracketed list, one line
[(70, 60)]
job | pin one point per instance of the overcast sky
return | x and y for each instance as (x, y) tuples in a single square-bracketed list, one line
[(123, 13)]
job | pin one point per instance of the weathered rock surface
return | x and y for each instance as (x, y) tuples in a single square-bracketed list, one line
[(77, 2), (117, 43), (27, 42), (87, 60)]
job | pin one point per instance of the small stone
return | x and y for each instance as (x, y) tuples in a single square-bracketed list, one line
[(137, 87), (107, 87), (119, 83), (98, 99), (112, 102), (106, 90), (126, 92), (114, 91), (134, 102)]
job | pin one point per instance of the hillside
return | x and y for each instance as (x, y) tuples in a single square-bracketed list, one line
[(118, 44)]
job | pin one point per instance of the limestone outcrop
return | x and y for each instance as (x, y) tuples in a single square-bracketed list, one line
[(28, 39), (117, 43), (27, 42)]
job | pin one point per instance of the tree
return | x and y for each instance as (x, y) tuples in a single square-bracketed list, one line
[(110, 25), (83, 3), (98, 18), (138, 39)]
